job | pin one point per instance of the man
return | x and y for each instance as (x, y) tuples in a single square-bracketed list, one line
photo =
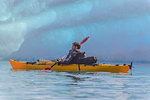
[(74, 55)]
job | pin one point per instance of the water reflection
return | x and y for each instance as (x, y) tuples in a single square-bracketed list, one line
[(99, 84)]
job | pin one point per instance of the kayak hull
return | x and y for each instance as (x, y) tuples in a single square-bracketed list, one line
[(17, 65)]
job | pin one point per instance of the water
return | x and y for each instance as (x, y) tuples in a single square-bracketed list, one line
[(37, 85)]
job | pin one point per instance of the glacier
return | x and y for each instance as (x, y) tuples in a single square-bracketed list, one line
[(34, 29)]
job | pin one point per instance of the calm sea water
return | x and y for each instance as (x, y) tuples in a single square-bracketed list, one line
[(37, 85)]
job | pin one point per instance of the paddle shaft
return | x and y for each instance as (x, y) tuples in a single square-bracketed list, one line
[(55, 63)]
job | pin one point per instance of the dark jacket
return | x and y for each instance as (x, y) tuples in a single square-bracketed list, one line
[(74, 56)]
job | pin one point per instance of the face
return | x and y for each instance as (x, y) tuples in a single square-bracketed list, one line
[(74, 47)]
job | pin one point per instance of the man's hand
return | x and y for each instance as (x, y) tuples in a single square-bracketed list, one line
[(59, 59)]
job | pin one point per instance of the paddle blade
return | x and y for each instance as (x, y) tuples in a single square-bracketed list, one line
[(49, 68), (45, 69), (85, 40)]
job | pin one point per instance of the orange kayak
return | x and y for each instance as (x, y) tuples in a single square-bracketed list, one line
[(18, 65)]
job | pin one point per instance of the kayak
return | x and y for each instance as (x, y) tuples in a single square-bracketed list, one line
[(18, 65)]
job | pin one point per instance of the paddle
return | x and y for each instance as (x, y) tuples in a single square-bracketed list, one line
[(83, 41)]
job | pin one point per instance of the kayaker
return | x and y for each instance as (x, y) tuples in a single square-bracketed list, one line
[(73, 54)]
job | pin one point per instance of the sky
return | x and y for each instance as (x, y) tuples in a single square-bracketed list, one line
[(45, 29)]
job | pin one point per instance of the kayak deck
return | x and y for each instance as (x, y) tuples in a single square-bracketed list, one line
[(17, 65)]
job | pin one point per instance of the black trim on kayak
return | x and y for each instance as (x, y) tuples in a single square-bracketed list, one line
[(30, 62), (94, 64)]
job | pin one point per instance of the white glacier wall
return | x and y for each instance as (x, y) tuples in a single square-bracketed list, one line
[(32, 29)]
